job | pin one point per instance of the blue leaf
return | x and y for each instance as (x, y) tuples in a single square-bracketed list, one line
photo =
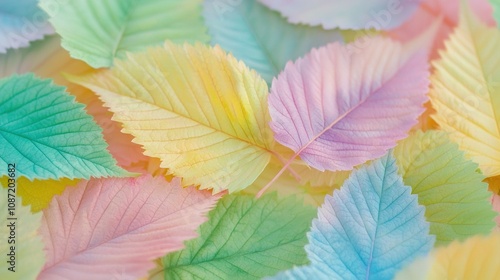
[(369, 229), (260, 37)]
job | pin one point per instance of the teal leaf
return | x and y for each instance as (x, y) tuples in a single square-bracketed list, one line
[(369, 229), (47, 134), (260, 37), (245, 238)]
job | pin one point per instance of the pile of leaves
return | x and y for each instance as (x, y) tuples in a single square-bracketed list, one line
[(245, 139)]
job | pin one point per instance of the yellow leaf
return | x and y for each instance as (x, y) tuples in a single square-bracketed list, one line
[(199, 110), (21, 234), (39, 193), (466, 91), (476, 258)]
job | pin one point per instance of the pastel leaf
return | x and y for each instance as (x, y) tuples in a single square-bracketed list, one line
[(475, 258), (369, 229), (354, 14), (20, 23), (34, 59), (97, 31), (29, 257), (448, 185), (496, 10), (47, 134), (465, 91), (39, 193), (119, 226), (244, 239), (199, 110), (340, 106), (260, 37), (446, 14)]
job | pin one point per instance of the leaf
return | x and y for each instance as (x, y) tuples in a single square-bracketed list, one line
[(28, 246), (47, 135), (34, 59), (244, 239), (465, 92), (496, 10), (338, 107), (39, 193), (476, 258), (369, 229), (446, 12), (20, 23), (119, 226), (260, 37), (202, 112), (354, 14), (120, 26), (447, 184)]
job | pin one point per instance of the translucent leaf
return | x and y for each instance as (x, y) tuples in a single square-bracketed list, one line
[(117, 227), (353, 14), (21, 22), (466, 94), (47, 134), (28, 246), (340, 106), (97, 31), (260, 37), (202, 112), (245, 238), (369, 229)]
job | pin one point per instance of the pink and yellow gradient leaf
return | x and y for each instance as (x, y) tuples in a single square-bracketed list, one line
[(466, 94), (353, 14), (198, 109), (119, 226), (339, 106)]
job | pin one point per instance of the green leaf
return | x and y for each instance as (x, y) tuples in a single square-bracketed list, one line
[(263, 39), (29, 255), (245, 238), (47, 134), (447, 184), (97, 31), (496, 10)]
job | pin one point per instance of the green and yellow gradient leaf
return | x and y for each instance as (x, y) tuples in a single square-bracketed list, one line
[(448, 185)]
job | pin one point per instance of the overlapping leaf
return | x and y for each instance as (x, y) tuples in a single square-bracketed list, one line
[(119, 226), (260, 37), (47, 134), (353, 14), (340, 106), (202, 112), (28, 246), (369, 229), (21, 22), (48, 59), (97, 31), (448, 185), (466, 93), (244, 239), (496, 10)]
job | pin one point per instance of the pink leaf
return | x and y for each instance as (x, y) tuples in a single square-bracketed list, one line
[(340, 106), (447, 12), (116, 227)]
